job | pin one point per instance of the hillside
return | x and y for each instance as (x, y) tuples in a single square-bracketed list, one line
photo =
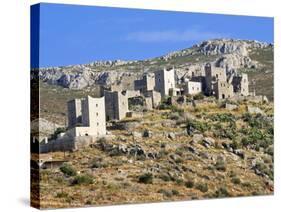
[(176, 153), (253, 57), (196, 149)]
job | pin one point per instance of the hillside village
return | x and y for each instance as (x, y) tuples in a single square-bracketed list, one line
[(159, 136)]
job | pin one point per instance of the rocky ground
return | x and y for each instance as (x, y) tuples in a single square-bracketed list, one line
[(172, 153)]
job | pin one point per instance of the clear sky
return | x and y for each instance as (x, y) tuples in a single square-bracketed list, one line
[(81, 34)]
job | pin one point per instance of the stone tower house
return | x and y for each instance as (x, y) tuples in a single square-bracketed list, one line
[(212, 75), (116, 105), (164, 81), (92, 119), (147, 83)]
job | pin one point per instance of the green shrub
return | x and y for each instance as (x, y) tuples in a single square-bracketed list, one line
[(175, 192), (221, 192), (62, 195), (220, 165), (263, 168), (169, 193), (57, 132), (236, 180), (68, 170), (174, 116), (98, 163), (197, 125), (189, 184), (146, 178), (165, 177), (176, 109), (270, 150), (82, 180), (165, 192), (203, 187), (223, 117), (198, 96)]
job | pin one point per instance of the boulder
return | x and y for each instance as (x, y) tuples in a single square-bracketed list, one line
[(255, 110), (230, 106), (136, 134), (207, 141), (239, 152), (171, 135), (197, 138)]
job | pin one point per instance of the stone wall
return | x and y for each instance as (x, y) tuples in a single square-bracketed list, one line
[(74, 112), (66, 144), (156, 97)]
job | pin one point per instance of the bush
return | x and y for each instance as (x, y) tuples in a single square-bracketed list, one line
[(189, 184), (223, 117), (165, 177), (68, 170), (174, 116), (57, 132), (176, 109), (62, 195), (236, 180), (165, 192), (146, 178), (82, 179), (220, 165), (203, 187), (98, 163), (175, 192), (222, 192), (168, 193), (198, 96), (263, 168), (270, 150), (197, 125)]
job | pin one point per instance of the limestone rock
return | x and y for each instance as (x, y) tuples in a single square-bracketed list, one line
[(255, 110), (207, 142), (197, 138), (229, 106), (171, 135)]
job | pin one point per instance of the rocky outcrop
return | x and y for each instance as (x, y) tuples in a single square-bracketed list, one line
[(228, 46), (235, 61), (229, 53)]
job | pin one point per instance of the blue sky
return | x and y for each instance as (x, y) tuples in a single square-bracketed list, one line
[(72, 34)]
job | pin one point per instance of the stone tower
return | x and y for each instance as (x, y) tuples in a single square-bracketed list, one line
[(164, 81), (116, 105)]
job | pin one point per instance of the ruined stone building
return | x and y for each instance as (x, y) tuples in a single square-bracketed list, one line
[(192, 87), (241, 84), (116, 105), (164, 81), (153, 97), (223, 90), (212, 75), (86, 117), (223, 84), (147, 83)]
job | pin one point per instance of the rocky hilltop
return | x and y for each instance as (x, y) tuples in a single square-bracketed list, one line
[(242, 55)]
